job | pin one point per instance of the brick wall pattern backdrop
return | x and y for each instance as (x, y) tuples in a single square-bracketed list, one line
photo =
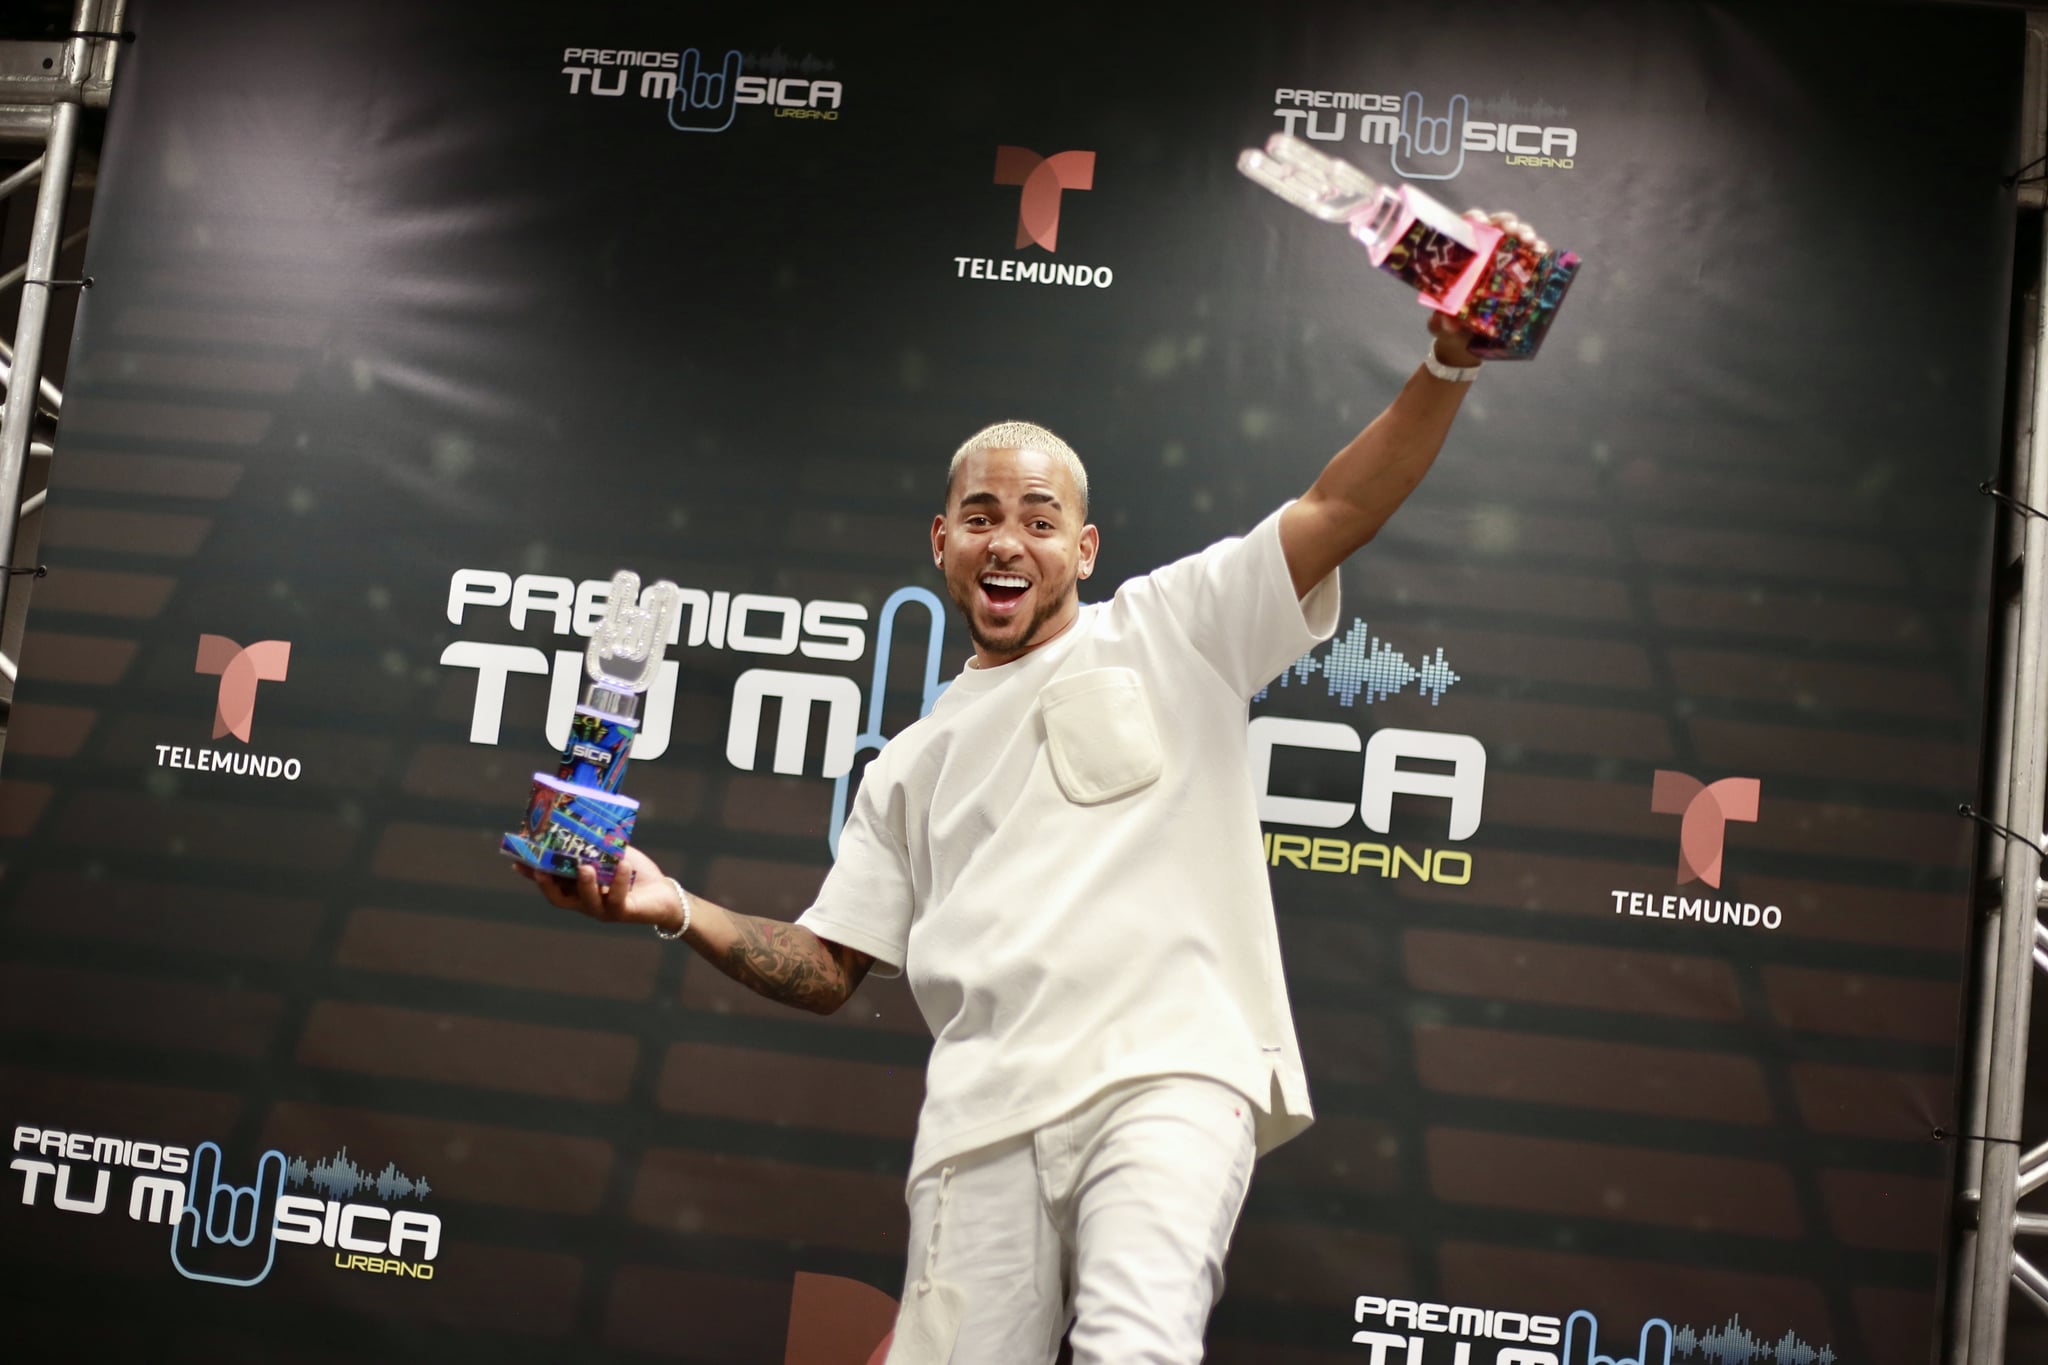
[(398, 291)]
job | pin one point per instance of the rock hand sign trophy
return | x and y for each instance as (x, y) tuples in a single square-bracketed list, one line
[(1504, 289), (577, 815)]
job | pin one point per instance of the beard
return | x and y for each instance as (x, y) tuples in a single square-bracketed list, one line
[(1018, 637)]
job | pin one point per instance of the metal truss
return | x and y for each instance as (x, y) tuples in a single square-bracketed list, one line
[(45, 87), (1997, 1168)]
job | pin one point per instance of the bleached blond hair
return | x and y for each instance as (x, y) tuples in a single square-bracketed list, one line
[(1022, 436)]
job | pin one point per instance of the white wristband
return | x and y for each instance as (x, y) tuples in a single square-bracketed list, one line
[(682, 928), (1453, 374)]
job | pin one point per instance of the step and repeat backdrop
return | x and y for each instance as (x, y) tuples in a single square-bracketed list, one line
[(1621, 891)]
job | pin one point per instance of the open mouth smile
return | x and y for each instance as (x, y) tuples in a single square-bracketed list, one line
[(1001, 592)]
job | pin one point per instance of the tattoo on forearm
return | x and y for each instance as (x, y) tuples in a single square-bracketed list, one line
[(792, 965)]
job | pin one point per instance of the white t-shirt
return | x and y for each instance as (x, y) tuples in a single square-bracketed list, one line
[(1064, 857)]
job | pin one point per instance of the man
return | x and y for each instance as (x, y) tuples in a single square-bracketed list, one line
[(1064, 856)]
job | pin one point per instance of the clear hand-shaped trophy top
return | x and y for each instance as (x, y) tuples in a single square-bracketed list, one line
[(1333, 190), (625, 650)]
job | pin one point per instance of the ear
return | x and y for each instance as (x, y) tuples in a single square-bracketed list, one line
[(939, 541), (1091, 543)]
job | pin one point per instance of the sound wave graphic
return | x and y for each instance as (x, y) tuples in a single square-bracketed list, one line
[(1507, 106), (1733, 1344), (780, 63), (337, 1177), (1358, 664)]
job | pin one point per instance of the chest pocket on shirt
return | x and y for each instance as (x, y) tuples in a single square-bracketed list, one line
[(1100, 732)]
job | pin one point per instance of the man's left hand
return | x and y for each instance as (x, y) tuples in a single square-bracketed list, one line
[(1453, 338), (1453, 341)]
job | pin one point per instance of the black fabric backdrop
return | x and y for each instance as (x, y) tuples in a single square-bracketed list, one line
[(379, 299)]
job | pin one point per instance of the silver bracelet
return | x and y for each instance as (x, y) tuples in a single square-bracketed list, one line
[(1454, 374), (684, 928)]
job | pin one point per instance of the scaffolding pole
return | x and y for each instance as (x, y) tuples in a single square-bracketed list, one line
[(44, 239), (81, 73), (2018, 914), (2000, 1063), (1997, 792)]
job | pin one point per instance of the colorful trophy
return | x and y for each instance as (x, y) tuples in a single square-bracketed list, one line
[(577, 816), (1499, 286)]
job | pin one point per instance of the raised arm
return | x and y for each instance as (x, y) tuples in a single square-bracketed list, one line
[(1373, 475), (784, 962), (1365, 481)]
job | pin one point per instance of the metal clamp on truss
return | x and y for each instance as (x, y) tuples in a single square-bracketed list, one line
[(2020, 176), (83, 282), (33, 570), (1991, 490), (1969, 812)]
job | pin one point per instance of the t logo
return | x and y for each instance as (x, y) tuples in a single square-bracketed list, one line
[(240, 670), (1043, 177), (1705, 811)]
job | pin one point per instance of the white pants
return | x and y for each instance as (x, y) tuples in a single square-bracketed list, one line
[(1115, 1219)]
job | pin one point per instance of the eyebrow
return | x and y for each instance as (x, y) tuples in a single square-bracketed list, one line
[(990, 499)]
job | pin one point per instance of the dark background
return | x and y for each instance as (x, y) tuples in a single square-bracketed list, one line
[(377, 300)]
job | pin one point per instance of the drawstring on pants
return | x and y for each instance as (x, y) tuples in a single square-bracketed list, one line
[(931, 1246)]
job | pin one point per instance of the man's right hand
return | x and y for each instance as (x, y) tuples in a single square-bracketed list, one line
[(785, 962), (638, 894)]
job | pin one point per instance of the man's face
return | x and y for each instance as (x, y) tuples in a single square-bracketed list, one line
[(1013, 548)]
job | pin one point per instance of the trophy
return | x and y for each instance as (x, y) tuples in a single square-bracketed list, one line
[(577, 815), (1497, 285)]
